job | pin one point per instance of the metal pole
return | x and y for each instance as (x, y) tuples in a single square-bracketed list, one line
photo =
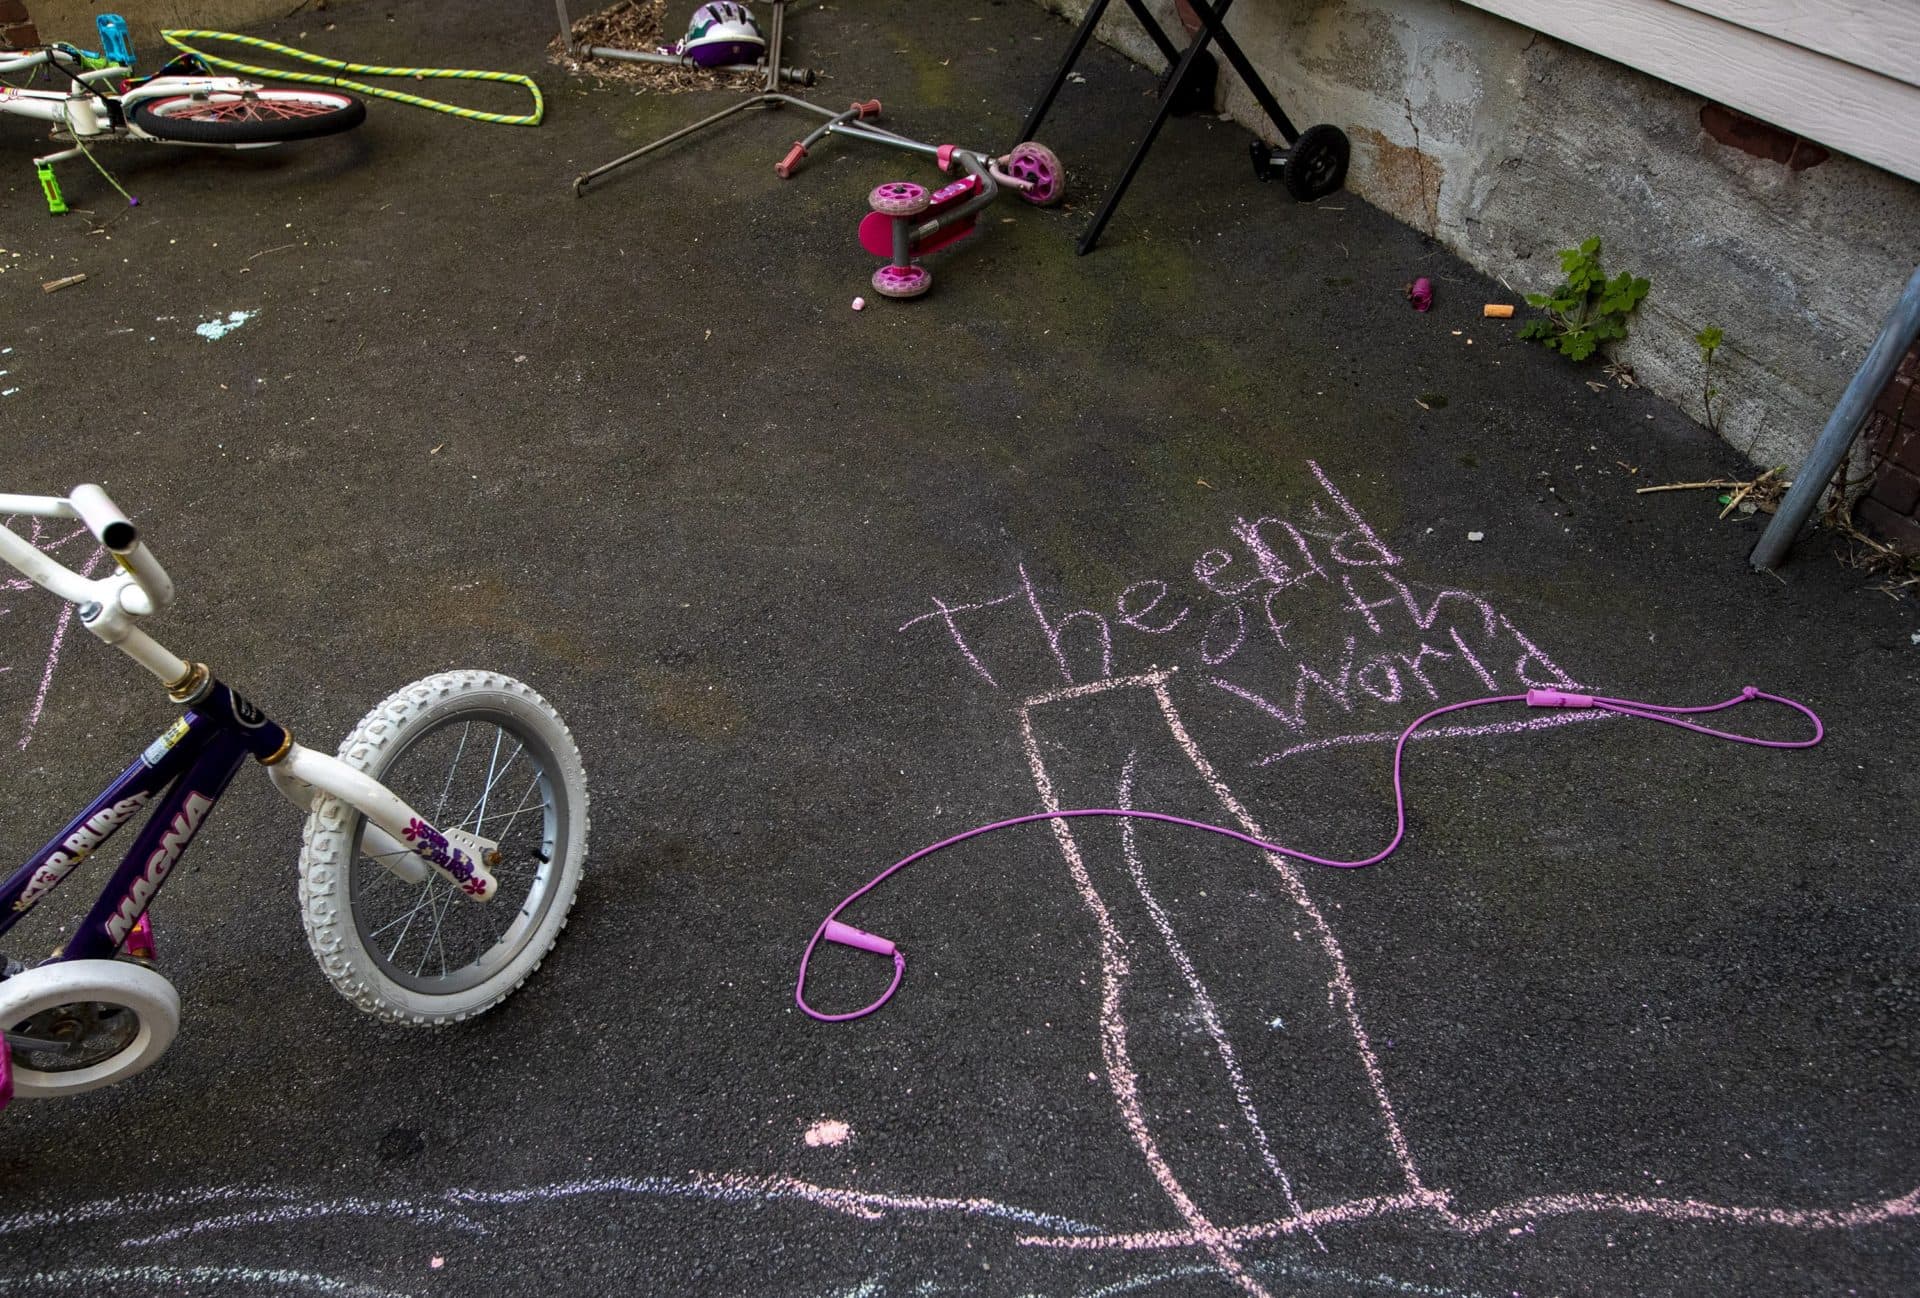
[(581, 181), (1902, 326)]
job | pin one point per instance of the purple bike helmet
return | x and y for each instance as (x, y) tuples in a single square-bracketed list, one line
[(722, 33)]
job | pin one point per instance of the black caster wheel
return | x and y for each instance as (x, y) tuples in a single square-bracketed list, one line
[(1316, 165)]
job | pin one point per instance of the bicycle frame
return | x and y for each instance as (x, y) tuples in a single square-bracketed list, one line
[(187, 768), (96, 111), (181, 775)]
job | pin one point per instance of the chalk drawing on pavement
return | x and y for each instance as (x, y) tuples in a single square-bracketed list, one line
[(1410, 1198), (1394, 644), (43, 655)]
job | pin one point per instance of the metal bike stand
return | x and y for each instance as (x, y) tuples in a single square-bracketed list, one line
[(1212, 15), (769, 95)]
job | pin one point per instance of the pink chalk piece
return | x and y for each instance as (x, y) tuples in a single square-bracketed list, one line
[(1420, 294), (859, 304), (828, 1132), (437, 1263)]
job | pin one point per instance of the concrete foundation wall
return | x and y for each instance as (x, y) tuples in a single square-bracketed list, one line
[(1527, 146)]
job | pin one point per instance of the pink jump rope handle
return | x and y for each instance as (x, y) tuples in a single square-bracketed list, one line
[(784, 167), (1558, 699), (848, 935)]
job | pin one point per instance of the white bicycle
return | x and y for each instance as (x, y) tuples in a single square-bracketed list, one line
[(183, 103), (442, 851)]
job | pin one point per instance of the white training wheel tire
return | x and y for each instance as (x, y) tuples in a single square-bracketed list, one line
[(128, 987), (359, 916)]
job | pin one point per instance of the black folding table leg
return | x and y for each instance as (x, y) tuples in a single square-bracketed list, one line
[(1168, 50), (1214, 20), (1074, 49), (1167, 96)]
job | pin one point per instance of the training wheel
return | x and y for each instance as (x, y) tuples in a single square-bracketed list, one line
[(80, 1024), (902, 281), (899, 198), (1040, 167), (1316, 165)]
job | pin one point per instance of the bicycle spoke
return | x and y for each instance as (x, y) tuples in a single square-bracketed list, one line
[(433, 938), (499, 736), (425, 896), (452, 769), (532, 787), (480, 808), (381, 931)]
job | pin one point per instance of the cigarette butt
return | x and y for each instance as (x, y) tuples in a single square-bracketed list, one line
[(55, 285), (1497, 311)]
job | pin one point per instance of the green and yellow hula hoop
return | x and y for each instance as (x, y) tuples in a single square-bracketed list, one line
[(178, 39)]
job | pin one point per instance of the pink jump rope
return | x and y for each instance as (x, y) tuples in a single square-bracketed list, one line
[(832, 930)]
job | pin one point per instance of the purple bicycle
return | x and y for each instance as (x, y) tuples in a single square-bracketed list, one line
[(442, 850)]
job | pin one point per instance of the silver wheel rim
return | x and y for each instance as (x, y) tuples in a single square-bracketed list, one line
[(68, 1038), (484, 770)]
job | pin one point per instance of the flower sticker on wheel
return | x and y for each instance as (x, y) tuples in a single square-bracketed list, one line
[(430, 844)]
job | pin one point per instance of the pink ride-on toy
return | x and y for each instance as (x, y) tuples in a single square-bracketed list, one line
[(907, 220)]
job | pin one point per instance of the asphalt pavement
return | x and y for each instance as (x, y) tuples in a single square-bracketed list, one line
[(1194, 524)]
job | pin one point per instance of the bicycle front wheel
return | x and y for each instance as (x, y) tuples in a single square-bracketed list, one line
[(467, 750), (263, 116)]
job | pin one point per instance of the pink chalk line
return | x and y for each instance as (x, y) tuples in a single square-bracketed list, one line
[(1209, 1015), (133, 1205), (155, 1279), (1437, 732), (1535, 1208), (1418, 1200), (273, 1206), (308, 1211), (736, 1187), (1114, 971), (53, 658)]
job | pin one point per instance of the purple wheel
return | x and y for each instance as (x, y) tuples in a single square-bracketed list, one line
[(899, 198), (1036, 164), (902, 281)]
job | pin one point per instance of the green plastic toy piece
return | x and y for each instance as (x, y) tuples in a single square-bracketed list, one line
[(56, 202)]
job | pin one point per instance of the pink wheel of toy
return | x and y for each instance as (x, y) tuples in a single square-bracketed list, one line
[(1036, 164), (899, 198), (902, 281)]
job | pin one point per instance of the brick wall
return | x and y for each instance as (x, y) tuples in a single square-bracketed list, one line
[(16, 25), (1891, 507)]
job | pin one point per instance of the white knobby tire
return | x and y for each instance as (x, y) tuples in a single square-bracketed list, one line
[(129, 989), (351, 905)]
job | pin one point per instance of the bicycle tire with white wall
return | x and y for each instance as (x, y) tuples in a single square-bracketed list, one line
[(446, 732)]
